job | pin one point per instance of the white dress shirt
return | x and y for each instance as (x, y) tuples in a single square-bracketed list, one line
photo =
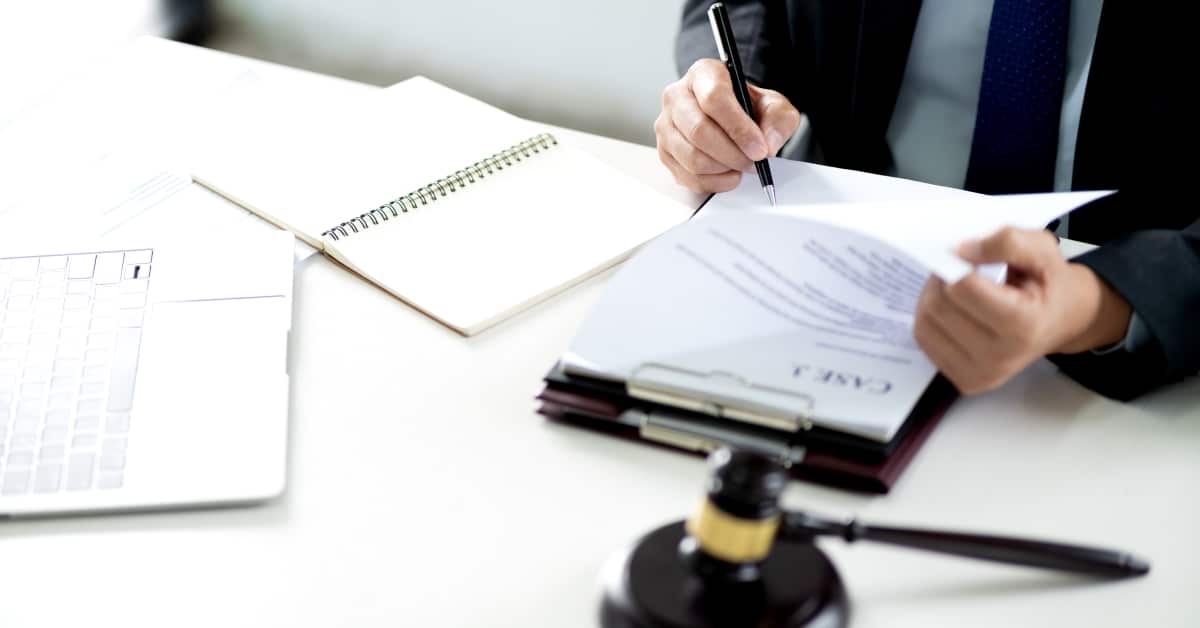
[(934, 119)]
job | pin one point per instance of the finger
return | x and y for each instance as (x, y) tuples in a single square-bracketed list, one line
[(942, 351), (777, 117), (998, 307), (688, 155), (971, 334), (1025, 249), (968, 377), (714, 95), (704, 133), (699, 182), (931, 308)]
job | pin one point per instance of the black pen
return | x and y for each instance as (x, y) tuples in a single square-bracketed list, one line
[(727, 48)]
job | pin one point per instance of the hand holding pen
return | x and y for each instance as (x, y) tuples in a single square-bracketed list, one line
[(705, 136)]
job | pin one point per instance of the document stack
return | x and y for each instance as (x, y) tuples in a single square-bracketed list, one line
[(786, 331)]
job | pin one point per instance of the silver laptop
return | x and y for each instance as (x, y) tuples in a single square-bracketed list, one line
[(143, 377)]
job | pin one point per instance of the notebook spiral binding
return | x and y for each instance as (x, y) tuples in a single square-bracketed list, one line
[(443, 187)]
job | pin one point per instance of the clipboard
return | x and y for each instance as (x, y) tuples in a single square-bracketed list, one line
[(606, 399), (818, 455), (722, 394)]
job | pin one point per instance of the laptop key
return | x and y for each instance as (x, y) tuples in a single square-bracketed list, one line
[(124, 369), (84, 441), (79, 478), (138, 257), (54, 262), (51, 452), (79, 287), (54, 436), (112, 462), (15, 482), (79, 472), (117, 424), (108, 268), (81, 266), (48, 478), (19, 459), (24, 268)]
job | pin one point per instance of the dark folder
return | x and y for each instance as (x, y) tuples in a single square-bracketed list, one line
[(817, 455)]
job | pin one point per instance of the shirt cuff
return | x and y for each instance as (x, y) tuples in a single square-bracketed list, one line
[(1136, 337)]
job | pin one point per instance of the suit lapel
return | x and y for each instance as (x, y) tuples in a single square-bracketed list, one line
[(887, 32)]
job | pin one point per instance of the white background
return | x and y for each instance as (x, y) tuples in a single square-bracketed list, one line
[(594, 66)]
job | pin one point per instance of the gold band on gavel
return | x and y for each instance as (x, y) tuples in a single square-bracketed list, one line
[(730, 538)]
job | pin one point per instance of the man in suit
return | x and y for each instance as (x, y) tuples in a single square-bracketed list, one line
[(1004, 96)]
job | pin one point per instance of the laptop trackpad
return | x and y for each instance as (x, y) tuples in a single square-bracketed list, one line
[(208, 355), (212, 385), (200, 337)]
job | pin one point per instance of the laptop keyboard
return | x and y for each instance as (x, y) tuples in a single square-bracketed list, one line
[(70, 332)]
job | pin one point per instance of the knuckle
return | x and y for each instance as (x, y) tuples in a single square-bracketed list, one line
[(699, 130), (742, 134), (660, 128), (1009, 238), (726, 182), (791, 119), (689, 157), (702, 65), (687, 181), (670, 93), (710, 98)]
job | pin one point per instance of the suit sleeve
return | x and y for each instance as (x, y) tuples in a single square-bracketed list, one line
[(759, 26), (1158, 273)]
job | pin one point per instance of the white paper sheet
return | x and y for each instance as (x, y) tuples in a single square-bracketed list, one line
[(813, 300)]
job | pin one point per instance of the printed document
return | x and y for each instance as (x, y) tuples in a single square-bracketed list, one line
[(806, 309)]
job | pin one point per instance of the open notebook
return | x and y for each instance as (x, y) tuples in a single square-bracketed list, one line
[(461, 210)]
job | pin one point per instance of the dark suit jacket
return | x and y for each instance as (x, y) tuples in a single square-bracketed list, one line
[(841, 63)]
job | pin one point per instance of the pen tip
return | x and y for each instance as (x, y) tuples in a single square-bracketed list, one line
[(770, 189)]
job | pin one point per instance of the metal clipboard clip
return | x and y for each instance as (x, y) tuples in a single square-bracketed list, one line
[(692, 435), (721, 394)]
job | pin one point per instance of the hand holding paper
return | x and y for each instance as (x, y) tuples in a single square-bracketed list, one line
[(980, 333)]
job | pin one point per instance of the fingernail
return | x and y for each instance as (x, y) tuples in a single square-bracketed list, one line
[(756, 151), (775, 140), (970, 250)]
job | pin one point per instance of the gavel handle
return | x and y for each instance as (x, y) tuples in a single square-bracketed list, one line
[(1073, 558)]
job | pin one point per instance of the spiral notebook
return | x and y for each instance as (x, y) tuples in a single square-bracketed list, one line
[(465, 212)]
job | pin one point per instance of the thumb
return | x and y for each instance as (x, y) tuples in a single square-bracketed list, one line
[(777, 117), (1019, 248)]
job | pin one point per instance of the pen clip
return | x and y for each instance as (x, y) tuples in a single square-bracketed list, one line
[(716, 29)]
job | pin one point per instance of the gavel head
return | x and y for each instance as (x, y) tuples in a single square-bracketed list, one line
[(732, 532), (725, 566)]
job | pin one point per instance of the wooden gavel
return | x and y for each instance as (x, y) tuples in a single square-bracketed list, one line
[(742, 560)]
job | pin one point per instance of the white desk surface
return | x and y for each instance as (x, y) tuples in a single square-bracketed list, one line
[(425, 491)]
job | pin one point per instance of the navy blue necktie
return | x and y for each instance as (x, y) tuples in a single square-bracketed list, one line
[(1015, 145)]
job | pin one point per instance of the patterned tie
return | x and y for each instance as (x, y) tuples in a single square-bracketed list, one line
[(1016, 127)]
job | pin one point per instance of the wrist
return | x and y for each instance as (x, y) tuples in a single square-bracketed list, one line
[(1103, 314)]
